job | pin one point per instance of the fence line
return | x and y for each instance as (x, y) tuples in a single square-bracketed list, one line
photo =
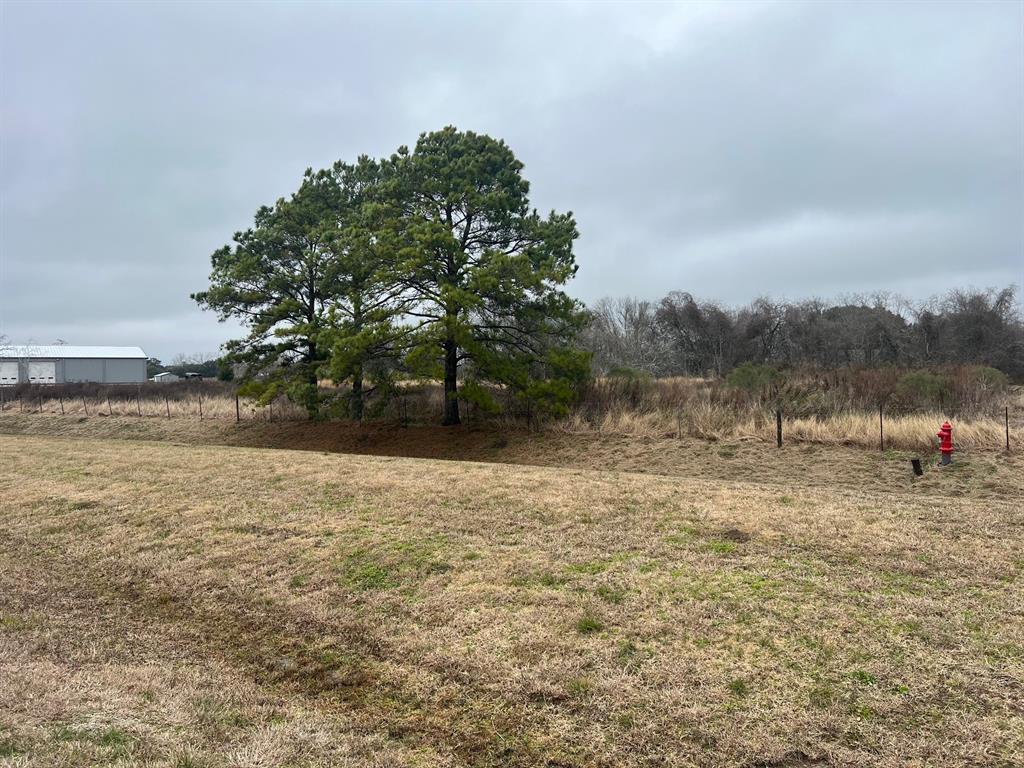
[(176, 408), (220, 408)]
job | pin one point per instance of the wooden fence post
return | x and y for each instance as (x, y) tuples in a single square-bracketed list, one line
[(238, 413), (1006, 417), (881, 433), (110, 411), (679, 425), (778, 428), (271, 404), (167, 404), (138, 404), (40, 399), (200, 406), (85, 405), (61, 398)]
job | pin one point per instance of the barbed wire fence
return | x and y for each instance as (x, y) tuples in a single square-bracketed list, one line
[(226, 404)]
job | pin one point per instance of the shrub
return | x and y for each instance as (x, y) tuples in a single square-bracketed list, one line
[(990, 379), (922, 389), (753, 377), (629, 374)]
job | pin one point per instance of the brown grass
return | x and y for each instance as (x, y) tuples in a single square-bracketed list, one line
[(905, 432), (172, 606), (698, 418), (216, 405), (990, 473)]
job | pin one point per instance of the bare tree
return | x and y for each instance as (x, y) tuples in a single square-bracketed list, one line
[(624, 333), (683, 335)]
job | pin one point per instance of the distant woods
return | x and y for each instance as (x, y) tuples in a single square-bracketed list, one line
[(681, 335)]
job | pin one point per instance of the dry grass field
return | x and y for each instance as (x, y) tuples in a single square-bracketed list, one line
[(165, 602), (665, 408)]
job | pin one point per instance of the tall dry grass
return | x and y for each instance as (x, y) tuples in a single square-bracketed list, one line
[(216, 405), (829, 411), (709, 422), (831, 408)]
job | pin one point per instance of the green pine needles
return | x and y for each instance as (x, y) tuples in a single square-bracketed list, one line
[(429, 264)]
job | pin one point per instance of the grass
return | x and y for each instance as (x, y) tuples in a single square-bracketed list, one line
[(909, 432), (455, 614), (671, 405), (588, 624)]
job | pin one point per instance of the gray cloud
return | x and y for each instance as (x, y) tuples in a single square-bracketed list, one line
[(726, 149)]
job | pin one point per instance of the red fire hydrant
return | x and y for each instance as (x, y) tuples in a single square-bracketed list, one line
[(945, 435)]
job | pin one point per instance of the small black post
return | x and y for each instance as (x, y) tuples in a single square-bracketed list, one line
[(40, 397), (881, 434), (167, 404), (61, 398), (271, 404), (21, 403), (1006, 417), (238, 413), (110, 411), (679, 425), (778, 427), (138, 403), (916, 464), (85, 405), (3, 403), (200, 406)]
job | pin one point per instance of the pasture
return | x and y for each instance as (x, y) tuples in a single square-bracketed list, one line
[(182, 604)]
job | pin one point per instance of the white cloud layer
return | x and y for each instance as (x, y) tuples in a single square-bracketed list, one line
[(728, 149)]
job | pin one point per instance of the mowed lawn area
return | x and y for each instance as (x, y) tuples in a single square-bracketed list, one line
[(184, 605)]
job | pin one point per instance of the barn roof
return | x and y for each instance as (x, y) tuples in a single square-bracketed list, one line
[(72, 352)]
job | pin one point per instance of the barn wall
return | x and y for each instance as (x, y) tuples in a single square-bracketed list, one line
[(125, 371), (83, 370), (98, 370)]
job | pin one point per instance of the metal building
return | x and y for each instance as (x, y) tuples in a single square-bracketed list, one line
[(64, 363)]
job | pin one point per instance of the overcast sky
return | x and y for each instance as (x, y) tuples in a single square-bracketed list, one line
[(730, 149)]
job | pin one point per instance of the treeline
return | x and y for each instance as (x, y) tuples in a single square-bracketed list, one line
[(684, 336), (428, 264)]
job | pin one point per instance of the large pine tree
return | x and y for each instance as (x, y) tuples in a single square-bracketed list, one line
[(280, 279), (483, 272)]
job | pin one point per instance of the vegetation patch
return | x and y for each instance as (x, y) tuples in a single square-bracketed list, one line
[(588, 624), (851, 613)]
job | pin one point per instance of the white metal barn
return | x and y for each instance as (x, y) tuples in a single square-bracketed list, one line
[(63, 363)]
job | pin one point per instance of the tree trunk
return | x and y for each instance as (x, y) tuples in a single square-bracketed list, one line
[(451, 384), (357, 394), (356, 403), (312, 384)]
